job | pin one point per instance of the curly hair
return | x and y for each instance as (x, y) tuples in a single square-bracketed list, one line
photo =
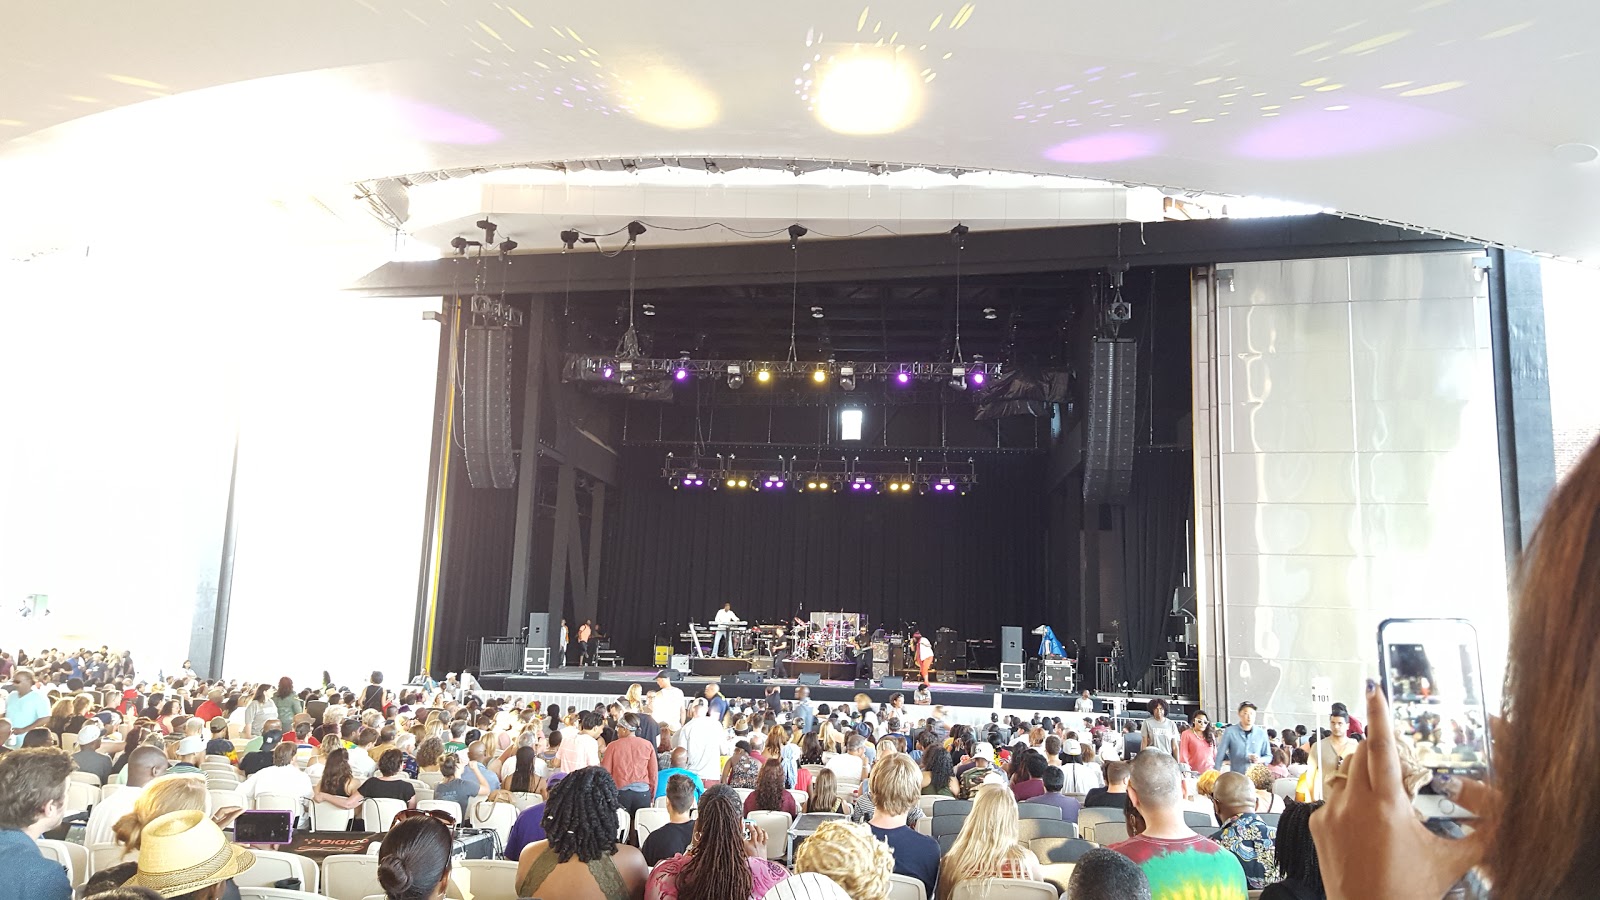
[(1260, 776), (769, 789), (428, 752), (716, 868), (1295, 851), (581, 817), (849, 855)]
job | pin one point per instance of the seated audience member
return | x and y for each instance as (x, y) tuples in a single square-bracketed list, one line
[(938, 775), (414, 859), (191, 751), (144, 765), (840, 861), (256, 760), (987, 846), (390, 782), (982, 770), (1032, 768), (852, 763), (723, 861), (824, 795), (282, 777), (1054, 781), (338, 785), (187, 856), (1107, 875), (742, 768), (769, 793), (580, 856), (680, 762), (429, 752), (524, 777), (33, 798), (89, 758), (361, 761), (674, 837), (1243, 832), (528, 828), (1177, 862), (477, 770), (218, 745), (457, 789), (1115, 794), (1296, 855), (1082, 769), (895, 785)]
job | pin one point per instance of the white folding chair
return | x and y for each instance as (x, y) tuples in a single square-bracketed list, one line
[(485, 879), (107, 789), (351, 876), (904, 887), (222, 799), (448, 806), (377, 813), (776, 825), (104, 856), (624, 825), (524, 799), (326, 816), (69, 743), (484, 813), (72, 857), (424, 793), (800, 798), (431, 779), (81, 796), (1004, 889), (926, 802), (273, 866), (1285, 787), (268, 800), (85, 778), (647, 820), (272, 893), (743, 793), (1059, 875)]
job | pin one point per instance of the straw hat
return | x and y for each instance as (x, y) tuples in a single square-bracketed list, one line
[(182, 852)]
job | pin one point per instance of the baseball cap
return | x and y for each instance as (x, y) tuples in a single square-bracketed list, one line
[(664, 673), (1071, 747), (89, 733), (983, 749), (218, 724), (270, 739), (194, 743)]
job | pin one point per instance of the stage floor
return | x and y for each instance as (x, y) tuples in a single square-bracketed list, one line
[(615, 681)]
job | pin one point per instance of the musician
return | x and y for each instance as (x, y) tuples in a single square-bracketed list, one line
[(863, 645), (924, 654), (586, 643), (724, 618), (782, 648)]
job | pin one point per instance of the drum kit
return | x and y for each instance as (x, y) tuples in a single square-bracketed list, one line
[(828, 637)]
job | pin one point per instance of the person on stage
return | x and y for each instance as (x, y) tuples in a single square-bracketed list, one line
[(724, 618), (924, 654), (586, 642), (862, 643), (566, 644)]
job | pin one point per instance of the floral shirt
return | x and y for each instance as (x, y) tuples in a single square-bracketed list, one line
[(1250, 839)]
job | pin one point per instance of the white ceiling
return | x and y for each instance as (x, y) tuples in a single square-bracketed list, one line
[(1444, 114)]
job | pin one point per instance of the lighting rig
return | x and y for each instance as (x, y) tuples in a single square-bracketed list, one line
[(626, 370), (856, 477)]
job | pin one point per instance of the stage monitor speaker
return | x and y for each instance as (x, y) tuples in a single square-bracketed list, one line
[(748, 676), (1108, 458), (539, 630), (991, 688), (486, 412), (863, 683), (892, 683), (536, 660), (809, 678), (591, 674), (1010, 644), (729, 678)]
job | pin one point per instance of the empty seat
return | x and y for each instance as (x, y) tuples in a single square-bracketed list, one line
[(72, 857), (81, 796), (944, 806), (485, 813), (377, 813), (1059, 850), (1270, 819), (904, 887), (1090, 817), (1027, 810), (1004, 889), (326, 816), (485, 879), (1029, 829), (273, 866), (350, 877), (776, 825)]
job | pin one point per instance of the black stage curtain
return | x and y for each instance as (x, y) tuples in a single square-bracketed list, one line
[(1153, 557), (971, 563)]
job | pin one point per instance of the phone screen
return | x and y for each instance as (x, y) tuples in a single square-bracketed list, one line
[(1434, 682), (264, 827)]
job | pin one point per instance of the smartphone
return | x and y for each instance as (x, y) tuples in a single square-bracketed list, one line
[(747, 826), (1433, 679), (264, 826)]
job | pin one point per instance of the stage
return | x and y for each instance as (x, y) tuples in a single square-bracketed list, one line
[(610, 683)]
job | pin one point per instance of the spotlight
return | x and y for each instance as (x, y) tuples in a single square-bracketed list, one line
[(735, 379), (820, 376), (606, 372), (625, 366), (764, 375), (902, 378), (847, 378), (978, 379), (772, 483), (822, 485), (989, 312), (681, 374), (958, 377), (863, 485)]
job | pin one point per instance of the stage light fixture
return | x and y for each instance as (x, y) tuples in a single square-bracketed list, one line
[(607, 371), (978, 379), (860, 484), (764, 375), (847, 378), (820, 376), (625, 366), (850, 420), (735, 378), (958, 377), (902, 378), (772, 483)]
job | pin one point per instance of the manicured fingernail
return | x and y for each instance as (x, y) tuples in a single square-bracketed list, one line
[(1371, 685), (1444, 784)]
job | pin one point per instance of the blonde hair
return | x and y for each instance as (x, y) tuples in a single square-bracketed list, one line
[(1260, 776), (635, 696), (988, 841), (169, 793), (895, 784), (1207, 782), (850, 856)]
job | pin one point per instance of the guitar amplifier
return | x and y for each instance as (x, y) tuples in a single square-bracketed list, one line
[(1059, 675)]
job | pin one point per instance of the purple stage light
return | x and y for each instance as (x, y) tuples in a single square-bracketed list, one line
[(607, 372), (903, 378), (977, 378), (681, 374), (1103, 148)]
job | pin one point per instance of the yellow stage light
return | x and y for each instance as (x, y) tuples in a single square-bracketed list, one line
[(820, 376), (763, 376)]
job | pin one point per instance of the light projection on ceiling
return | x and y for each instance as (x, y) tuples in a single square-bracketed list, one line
[(872, 80), (1104, 148)]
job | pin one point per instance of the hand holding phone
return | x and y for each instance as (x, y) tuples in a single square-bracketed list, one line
[(1433, 681)]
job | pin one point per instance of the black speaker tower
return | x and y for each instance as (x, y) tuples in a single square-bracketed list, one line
[(1108, 462), (486, 413)]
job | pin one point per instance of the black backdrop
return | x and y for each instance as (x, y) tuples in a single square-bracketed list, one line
[(972, 563)]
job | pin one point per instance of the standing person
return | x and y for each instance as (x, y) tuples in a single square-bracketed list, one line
[(1178, 862), (701, 740), (923, 654), (1328, 754), (26, 708), (724, 618), (1243, 744), (33, 797), (583, 747), (715, 700), (588, 641), (1085, 703), (667, 705), (371, 695), (566, 644), (805, 715), (1197, 747), (287, 701), (631, 760), (1158, 731)]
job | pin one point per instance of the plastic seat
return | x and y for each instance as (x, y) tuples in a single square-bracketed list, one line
[(1028, 829), (104, 856), (448, 806), (350, 877), (1089, 817), (72, 857), (1194, 818), (743, 793), (624, 826), (328, 817), (647, 820), (943, 825), (431, 779), (1270, 819), (1108, 833), (484, 813), (377, 813), (1285, 787), (1004, 889), (776, 825), (485, 879), (800, 798), (222, 799), (947, 841), (1026, 810), (81, 796), (904, 887), (273, 866), (293, 804), (944, 806), (524, 799), (272, 893), (85, 778), (1059, 850), (1057, 875)]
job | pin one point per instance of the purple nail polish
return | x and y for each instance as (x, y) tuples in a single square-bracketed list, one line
[(1371, 685)]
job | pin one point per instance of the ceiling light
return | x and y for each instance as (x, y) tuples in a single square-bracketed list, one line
[(868, 92), (666, 96)]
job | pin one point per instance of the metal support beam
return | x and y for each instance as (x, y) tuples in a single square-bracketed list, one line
[(522, 549), (565, 527), (597, 530), (208, 639), (1522, 395), (433, 536)]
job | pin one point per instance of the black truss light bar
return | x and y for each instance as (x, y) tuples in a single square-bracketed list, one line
[(622, 370), (815, 476)]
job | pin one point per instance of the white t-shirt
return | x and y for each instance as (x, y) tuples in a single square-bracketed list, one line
[(701, 737), (1084, 704), (105, 814), (846, 766), (667, 708), (1111, 746), (725, 616)]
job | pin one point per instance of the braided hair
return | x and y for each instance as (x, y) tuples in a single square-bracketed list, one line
[(1296, 852), (716, 869), (581, 817)]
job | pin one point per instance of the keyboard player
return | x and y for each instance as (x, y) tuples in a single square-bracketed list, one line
[(724, 620)]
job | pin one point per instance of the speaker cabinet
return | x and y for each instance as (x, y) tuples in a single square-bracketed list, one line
[(486, 412), (539, 630), (1010, 644), (591, 674), (1108, 459), (809, 678), (748, 676), (892, 683), (536, 661)]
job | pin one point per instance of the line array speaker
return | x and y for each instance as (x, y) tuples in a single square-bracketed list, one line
[(486, 416), (1108, 462)]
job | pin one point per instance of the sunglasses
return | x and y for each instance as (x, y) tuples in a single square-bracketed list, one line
[(439, 814)]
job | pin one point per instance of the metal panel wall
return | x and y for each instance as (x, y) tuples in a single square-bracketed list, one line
[(1346, 471)]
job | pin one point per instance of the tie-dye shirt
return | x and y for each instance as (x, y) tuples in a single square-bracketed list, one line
[(1186, 869)]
